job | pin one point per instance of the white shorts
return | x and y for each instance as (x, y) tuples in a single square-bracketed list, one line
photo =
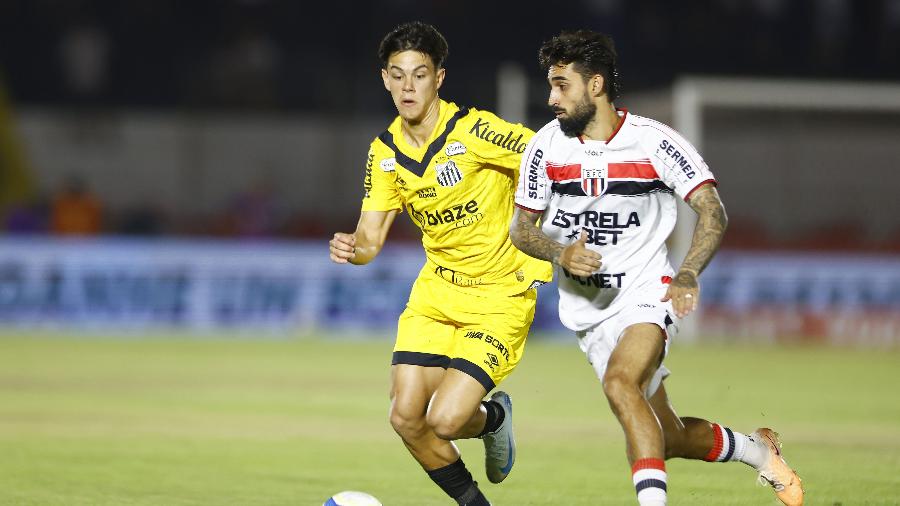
[(599, 341)]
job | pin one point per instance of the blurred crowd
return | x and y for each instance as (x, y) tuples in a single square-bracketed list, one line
[(75, 210), (284, 54), (260, 212)]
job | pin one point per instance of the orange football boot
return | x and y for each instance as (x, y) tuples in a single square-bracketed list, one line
[(776, 472)]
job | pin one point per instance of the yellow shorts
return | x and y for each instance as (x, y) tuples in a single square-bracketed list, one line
[(483, 337)]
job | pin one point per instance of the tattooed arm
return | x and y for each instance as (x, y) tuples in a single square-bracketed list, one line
[(575, 258), (711, 223)]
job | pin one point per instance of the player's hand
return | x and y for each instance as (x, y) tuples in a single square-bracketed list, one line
[(579, 260), (684, 292), (342, 248)]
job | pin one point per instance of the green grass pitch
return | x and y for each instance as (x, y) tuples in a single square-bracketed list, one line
[(163, 421)]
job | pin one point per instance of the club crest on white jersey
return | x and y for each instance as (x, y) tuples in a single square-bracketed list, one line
[(593, 181)]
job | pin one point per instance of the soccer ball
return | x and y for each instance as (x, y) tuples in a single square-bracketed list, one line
[(352, 498)]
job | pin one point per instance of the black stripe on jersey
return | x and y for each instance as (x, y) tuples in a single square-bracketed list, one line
[(627, 188), (418, 168)]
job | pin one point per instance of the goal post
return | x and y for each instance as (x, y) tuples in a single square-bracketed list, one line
[(692, 96)]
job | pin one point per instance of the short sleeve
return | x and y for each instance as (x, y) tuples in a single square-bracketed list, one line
[(533, 190), (678, 163), (497, 141), (381, 193)]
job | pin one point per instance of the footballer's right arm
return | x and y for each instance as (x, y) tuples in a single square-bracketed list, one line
[(575, 258), (362, 246)]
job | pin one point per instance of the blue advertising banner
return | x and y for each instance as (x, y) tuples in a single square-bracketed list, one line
[(122, 284), (200, 285), (813, 297)]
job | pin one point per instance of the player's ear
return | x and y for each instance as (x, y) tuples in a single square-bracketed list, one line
[(439, 77), (597, 85), (384, 77)]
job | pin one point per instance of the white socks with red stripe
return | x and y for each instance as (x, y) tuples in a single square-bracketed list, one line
[(729, 445), (649, 476)]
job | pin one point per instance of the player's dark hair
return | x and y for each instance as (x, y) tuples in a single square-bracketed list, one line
[(414, 36), (591, 53)]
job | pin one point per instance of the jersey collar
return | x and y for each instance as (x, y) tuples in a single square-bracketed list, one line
[(445, 126), (623, 112), (623, 115)]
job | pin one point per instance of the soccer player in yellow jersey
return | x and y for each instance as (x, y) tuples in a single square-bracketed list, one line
[(454, 170)]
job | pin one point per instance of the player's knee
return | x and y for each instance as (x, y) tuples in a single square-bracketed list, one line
[(405, 423), (445, 424), (619, 388)]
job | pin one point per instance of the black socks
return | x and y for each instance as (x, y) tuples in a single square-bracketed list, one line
[(495, 417), (457, 482)]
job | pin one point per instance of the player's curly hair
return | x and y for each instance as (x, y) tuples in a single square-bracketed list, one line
[(414, 36), (591, 52)]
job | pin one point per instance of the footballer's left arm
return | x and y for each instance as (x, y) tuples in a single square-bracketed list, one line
[(684, 291)]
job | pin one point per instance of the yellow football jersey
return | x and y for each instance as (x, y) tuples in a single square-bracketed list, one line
[(458, 189)]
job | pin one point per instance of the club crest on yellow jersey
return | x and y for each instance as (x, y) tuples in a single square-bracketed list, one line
[(448, 174)]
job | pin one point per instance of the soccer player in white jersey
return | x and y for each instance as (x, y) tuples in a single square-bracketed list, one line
[(603, 182)]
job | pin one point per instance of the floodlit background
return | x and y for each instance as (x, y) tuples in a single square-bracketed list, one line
[(170, 173)]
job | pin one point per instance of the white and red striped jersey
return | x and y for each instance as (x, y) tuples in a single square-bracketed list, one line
[(622, 194)]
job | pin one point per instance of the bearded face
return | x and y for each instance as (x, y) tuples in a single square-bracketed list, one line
[(574, 119)]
